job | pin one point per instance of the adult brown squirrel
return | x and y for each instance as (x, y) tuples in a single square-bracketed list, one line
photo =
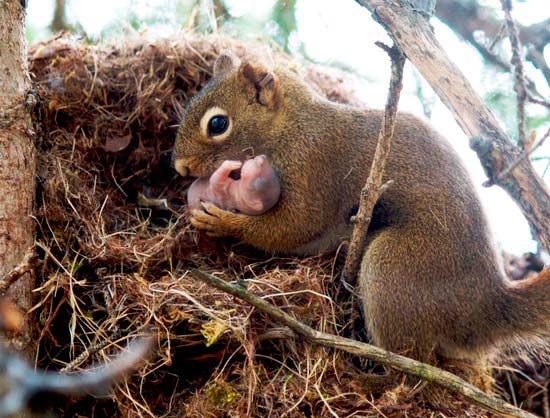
[(430, 280)]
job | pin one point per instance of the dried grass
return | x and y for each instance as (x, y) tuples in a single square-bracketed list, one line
[(117, 247)]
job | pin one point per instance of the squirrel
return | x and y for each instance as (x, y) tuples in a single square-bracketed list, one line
[(431, 282), (255, 191)]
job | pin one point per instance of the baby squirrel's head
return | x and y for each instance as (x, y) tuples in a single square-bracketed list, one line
[(228, 118)]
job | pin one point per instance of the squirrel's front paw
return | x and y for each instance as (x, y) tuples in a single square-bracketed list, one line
[(216, 222)]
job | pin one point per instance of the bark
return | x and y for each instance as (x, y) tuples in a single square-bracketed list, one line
[(413, 34), (17, 161)]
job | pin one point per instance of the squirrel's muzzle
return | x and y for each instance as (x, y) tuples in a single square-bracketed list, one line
[(181, 167)]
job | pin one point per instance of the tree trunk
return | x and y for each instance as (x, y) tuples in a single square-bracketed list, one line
[(17, 161), (59, 21)]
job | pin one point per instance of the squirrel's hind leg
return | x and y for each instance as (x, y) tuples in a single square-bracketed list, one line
[(413, 306)]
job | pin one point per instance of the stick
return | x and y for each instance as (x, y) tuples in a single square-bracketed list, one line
[(374, 188), (517, 64), (405, 364), (526, 154)]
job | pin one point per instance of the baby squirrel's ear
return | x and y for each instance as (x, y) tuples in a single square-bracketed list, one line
[(265, 82), (226, 62)]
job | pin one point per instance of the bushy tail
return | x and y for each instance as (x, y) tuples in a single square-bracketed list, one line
[(527, 306)]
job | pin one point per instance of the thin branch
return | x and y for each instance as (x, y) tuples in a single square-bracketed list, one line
[(517, 63), (538, 101), (467, 17), (95, 348), (529, 150), (407, 365), (497, 38), (545, 403), (493, 58), (374, 188)]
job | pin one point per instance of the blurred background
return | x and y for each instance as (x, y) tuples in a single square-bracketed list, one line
[(341, 34)]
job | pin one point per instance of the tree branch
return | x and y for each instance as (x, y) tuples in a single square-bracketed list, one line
[(374, 188), (465, 18), (517, 63), (413, 34), (410, 366)]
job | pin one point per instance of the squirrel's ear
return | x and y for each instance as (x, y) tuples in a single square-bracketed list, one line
[(225, 62), (265, 82)]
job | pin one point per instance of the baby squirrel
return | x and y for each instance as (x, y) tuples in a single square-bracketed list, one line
[(430, 282), (256, 191)]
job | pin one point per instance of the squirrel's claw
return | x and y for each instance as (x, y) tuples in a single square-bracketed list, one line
[(214, 221)]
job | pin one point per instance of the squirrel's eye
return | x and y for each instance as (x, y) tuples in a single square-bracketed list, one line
[(217, 125)]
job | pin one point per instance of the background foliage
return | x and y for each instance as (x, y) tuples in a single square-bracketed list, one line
[(342, 34)]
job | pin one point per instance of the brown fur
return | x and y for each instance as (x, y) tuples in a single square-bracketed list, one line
[(430, 279)]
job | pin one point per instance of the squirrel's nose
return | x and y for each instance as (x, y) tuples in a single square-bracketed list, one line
[(181, 167)]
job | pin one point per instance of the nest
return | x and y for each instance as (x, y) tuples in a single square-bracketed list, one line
[(116, 250)]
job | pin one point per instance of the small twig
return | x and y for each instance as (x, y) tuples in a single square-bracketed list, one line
[(498, 61), (94, 348), (538, 101), (511, 389), (545, 403), (517, 63), (546, 169), (374, 188), (526, 154), (498, 37), (405, 364), (28, 264)]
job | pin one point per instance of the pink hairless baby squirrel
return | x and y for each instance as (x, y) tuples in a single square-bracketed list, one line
[(257, 190)]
